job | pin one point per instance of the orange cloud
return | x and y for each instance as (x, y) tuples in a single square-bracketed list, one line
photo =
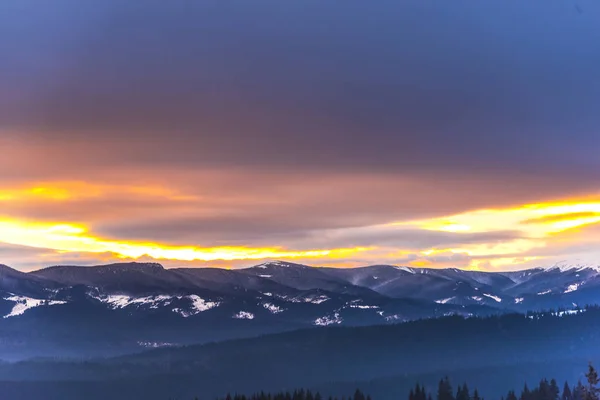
[(533, 228), (74, 190)]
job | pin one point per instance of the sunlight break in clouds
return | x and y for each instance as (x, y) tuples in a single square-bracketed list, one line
[(539, 224), (535, 227), (66, 237), (537, 220)]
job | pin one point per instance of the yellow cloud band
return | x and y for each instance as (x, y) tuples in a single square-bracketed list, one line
[(67, 237)]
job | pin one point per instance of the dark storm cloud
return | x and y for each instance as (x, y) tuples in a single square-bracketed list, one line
[(400, 85)]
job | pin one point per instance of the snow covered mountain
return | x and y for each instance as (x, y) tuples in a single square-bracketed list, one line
[(143, 304)]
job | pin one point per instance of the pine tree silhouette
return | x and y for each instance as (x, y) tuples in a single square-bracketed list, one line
[(579, 391), (526, 393), (462, 393), (566, 393), (511, 395), (445, 390), (591, 391)]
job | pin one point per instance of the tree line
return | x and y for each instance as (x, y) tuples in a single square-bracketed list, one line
[(301, 394), (545, 390)]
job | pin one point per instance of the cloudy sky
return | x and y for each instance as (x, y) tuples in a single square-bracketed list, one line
[(222, 133)]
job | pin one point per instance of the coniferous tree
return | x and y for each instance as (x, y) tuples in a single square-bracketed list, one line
[(445, 390), (476, 395), (511, 395), (462, 393), (554, 390), (566, 393), (578, 391), (545, 390), (358, 395), (591, 391), (526, 393), (420, 392)]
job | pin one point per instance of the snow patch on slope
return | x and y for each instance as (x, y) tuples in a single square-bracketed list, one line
[(317, 300), (572, 288), (155, 345), (406, 269), (328, 320), (243, 315), (568, 312), (272, 263), (363, 307), (395, 317), (25, 303), (308, 299), (491, 296), (444, 301), (273, 308), (198, 305), (120, 301)]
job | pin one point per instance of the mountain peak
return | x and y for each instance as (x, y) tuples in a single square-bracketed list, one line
[(280, 264), (5, 269), (135, 265), (115, 267), (577, 265)]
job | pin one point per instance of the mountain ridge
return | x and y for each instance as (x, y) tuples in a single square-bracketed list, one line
[(563, 265), (127, 306)]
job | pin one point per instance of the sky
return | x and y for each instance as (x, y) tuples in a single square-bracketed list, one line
[(225, 133)]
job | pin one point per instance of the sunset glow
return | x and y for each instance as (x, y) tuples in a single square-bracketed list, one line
[(73, 238), (535, 220), (534, 228), (444, 150)]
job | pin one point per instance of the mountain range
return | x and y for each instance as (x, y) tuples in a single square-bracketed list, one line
[(76, 311)]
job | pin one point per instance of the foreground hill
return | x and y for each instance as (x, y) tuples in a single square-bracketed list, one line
[(492, 353)]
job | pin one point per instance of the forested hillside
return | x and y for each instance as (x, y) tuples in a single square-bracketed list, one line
[(492, 353)]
